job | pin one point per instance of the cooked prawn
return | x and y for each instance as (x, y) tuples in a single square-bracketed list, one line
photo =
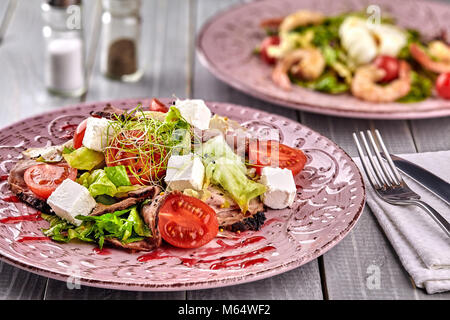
[(301, 18), (307, 63), (365, 87), (440, 66)]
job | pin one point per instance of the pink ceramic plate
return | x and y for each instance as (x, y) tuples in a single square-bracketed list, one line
[(329, 201), (226, 42)]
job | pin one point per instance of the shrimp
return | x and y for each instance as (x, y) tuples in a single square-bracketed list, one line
[(307, 63), (301, 18), (440, 66), (365, 87)]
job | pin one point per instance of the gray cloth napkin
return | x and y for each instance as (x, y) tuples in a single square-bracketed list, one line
[(423, 248)]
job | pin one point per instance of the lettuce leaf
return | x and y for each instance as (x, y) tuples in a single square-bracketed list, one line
[(225, 168), (98, 183), (229, 176), (84, 158), (118, 175), (216, 148)]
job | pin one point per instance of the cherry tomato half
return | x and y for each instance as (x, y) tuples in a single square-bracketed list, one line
[(268, 41), (187, 222), (146, 165), (443, 85), (79, 134), (43, 179), (390, 65), (157, 105), (264, 154)]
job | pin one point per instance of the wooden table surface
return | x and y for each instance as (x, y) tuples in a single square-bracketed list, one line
[(172, 68)]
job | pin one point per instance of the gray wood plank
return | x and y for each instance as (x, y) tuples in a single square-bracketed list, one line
[(301, 283), (58, 290), (166, 73), (431, 134), (7, 9), (16, 284), (348, 265)]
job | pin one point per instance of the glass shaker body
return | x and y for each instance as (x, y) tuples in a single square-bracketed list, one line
[(121, 32), (64, 54)]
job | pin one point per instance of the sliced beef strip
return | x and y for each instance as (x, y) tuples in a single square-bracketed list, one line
[(142, 245), (230, 216), (134, 197), (220, 201), (18, 186), (108, 112), (150, 214)]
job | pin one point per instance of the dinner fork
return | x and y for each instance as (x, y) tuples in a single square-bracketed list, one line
[(386, 179)]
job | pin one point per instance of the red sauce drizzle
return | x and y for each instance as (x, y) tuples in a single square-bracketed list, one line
[(239, 260), (4, 177), (33, 239), (11, 199), (29, 217), (69, 129), (102, 252)]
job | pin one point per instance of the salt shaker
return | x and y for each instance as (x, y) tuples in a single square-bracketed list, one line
[(121, 32), (64, 58)]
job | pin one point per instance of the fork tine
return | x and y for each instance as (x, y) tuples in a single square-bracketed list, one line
[(387, 173), (366, 165), (397, 174), (375, 165)]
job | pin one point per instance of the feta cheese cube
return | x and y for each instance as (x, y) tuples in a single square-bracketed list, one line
[(96, 135), (185, 172), (280, 185), (195, 112), (71, 199)]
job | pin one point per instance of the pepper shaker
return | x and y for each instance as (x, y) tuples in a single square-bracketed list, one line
[(121, 31), (64, 58)]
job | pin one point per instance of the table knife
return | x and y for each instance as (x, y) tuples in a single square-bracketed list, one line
[(424, 177)]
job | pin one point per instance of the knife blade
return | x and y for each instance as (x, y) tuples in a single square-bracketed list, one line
[(429, 180)]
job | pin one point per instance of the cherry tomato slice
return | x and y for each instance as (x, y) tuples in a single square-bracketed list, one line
[(146, 165), (390, 65), (79, 134), (272, 153), (187, 222), (443, 85), (157, 105), (43, 179), (268, 41)]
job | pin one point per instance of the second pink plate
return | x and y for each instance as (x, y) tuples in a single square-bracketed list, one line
[(226, 43)]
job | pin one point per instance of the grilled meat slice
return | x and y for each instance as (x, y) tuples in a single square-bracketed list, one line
[(134, 197), (150, 214), (108, 112), (230, 216), (18, 186), (142, 245)]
